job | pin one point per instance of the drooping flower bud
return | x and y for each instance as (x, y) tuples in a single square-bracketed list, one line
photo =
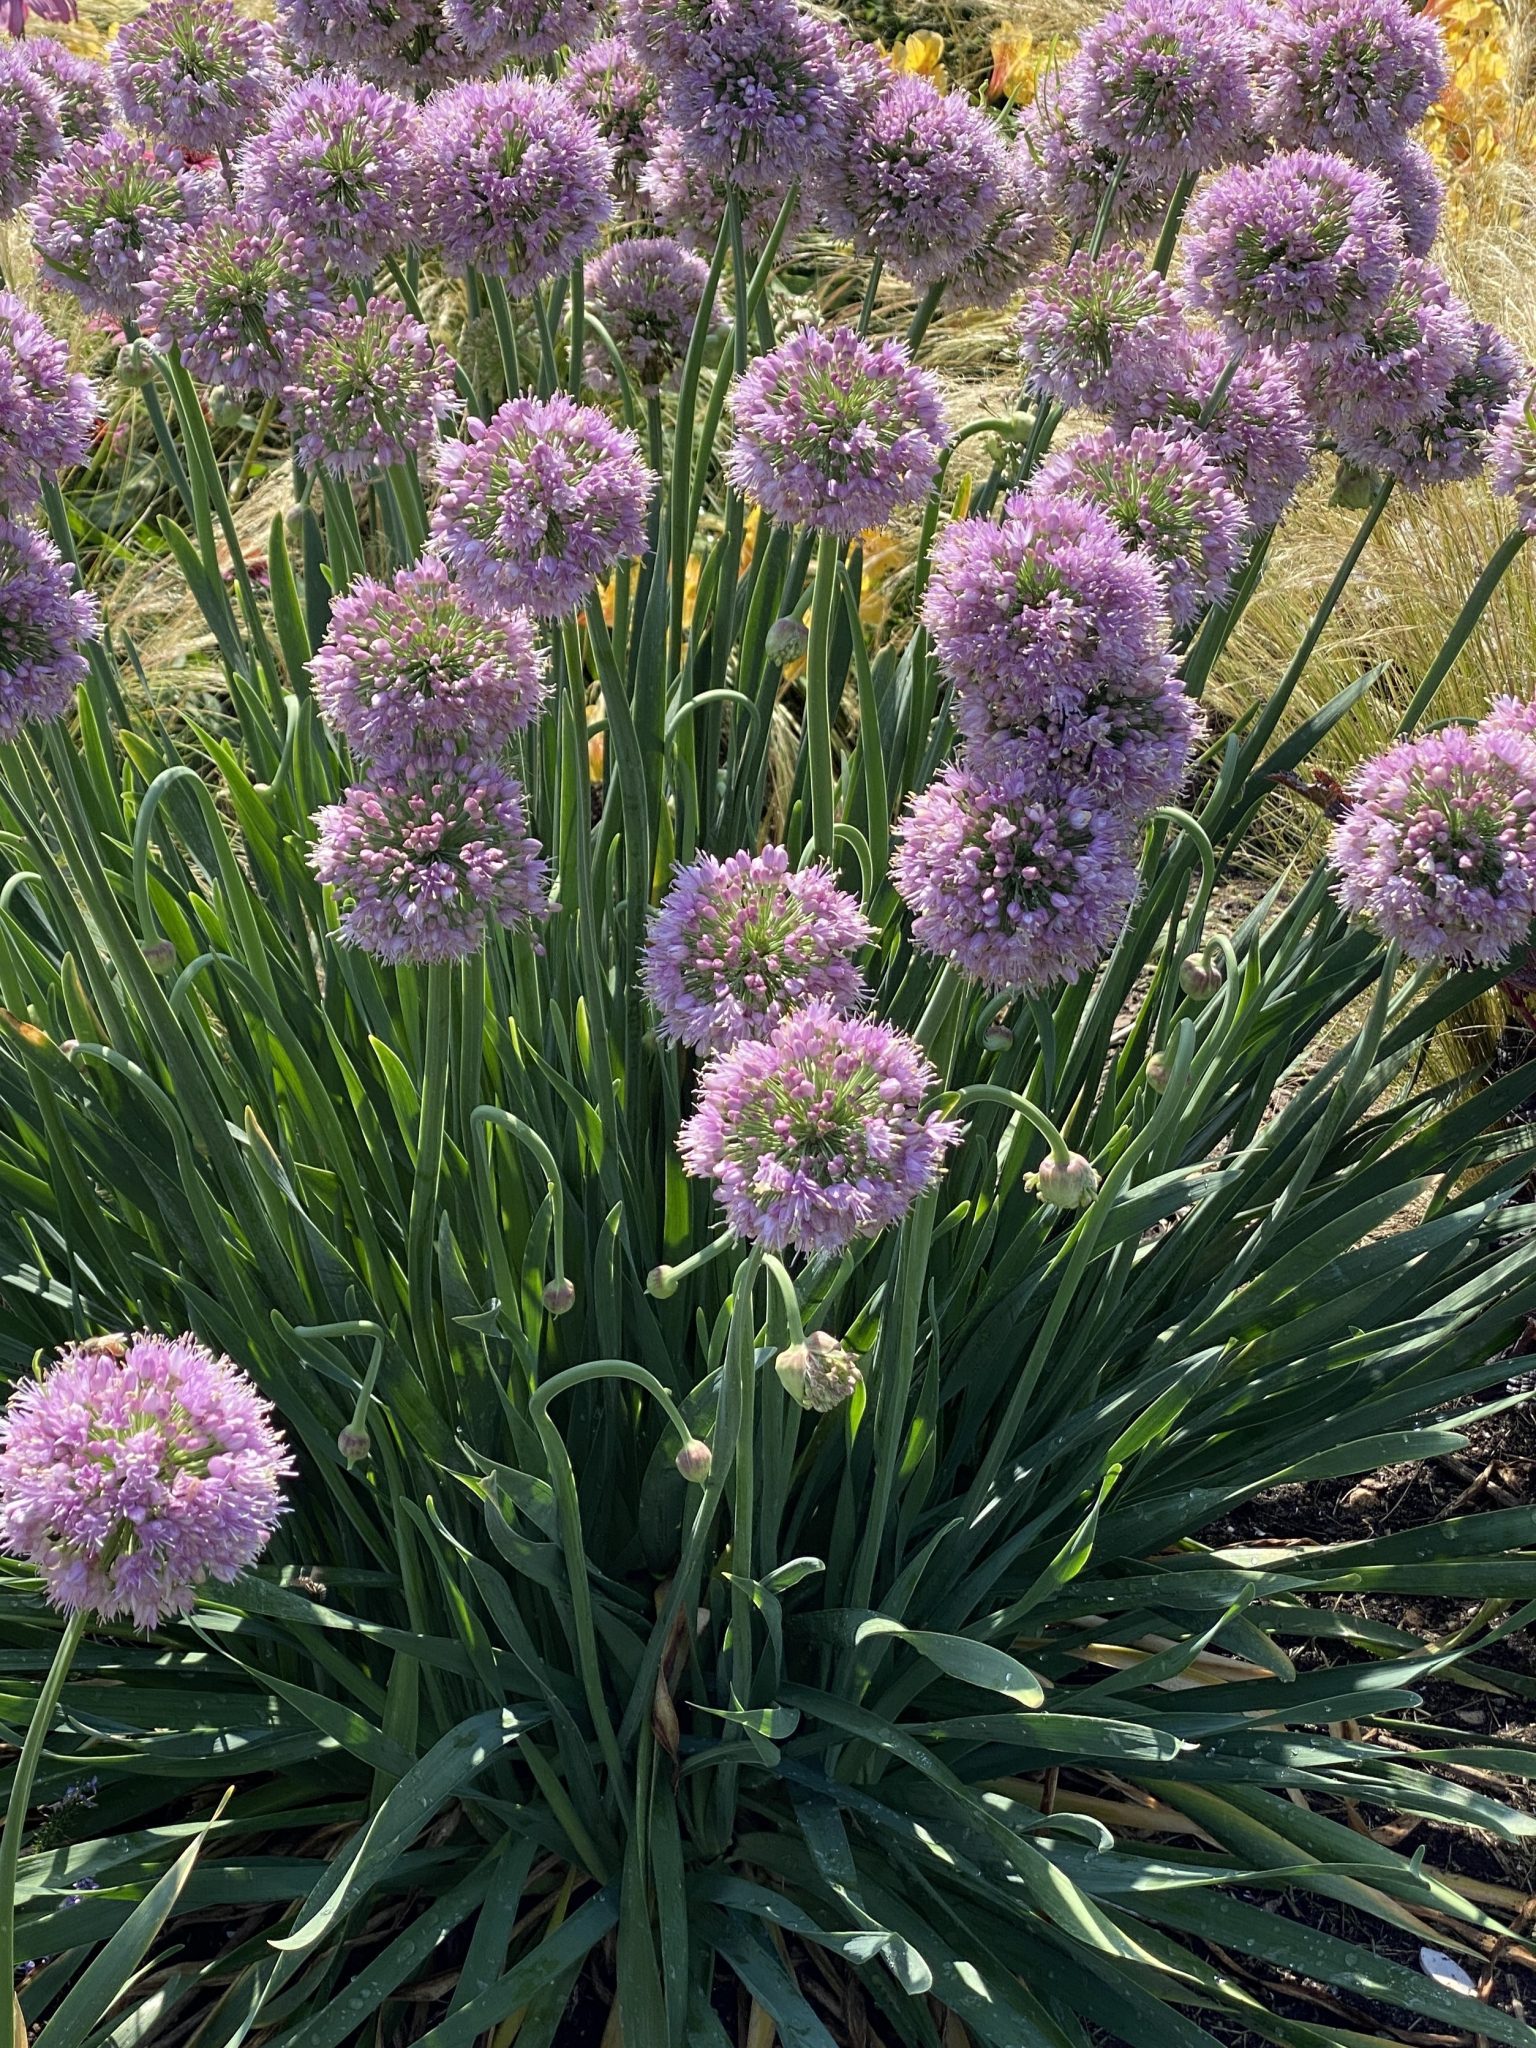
[(559, 1296), (1159, 1071), (787, 640), (661, 1283), (354, 1444), (1069, 1183), (1200, 976), (819, 1374), (695, 1460)]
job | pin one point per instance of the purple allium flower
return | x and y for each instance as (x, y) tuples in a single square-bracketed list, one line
[(835, 432), (515, 179), (104, 214), (1512, 456), (919, 178), (230, 293), (43, 619), (609, 81), (1018, 883), (31, 128), (47, 411), (402, 43), (1416, 190), (816, 1137), (366, 389), (1080, 177), (540, 503), (1125, 747), (419, 660), (1415, 392), (1438, 849), (491, 31), (195, 73), (1258, 434), (1511, 715), (1349, 75), (1301, 247), (688, 199), (1168, 81), (648, 293), (82, 87), (432, 857), (739, 943), (338, 160), (1099, 331), (1018, 241), (1050, 599), (752, 83), (135, 1470), (1170, 502)]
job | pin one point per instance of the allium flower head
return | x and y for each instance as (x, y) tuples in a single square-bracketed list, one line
[(1415, 392), (920, 178), (1350, 75), (401, 43), (230, 292), (103, 215), (81, 86), (1512, 456), (491, 31), (366, 389), (1438, 849), (47, 411), (430, 858), (1048, 599), (1098, 330), (1257, 431), (1301, 247), (1124, 746), (338, 161), (130, 1474), (1017, 882), (1018, 241), (195, 73), (418, 660), (610, 82), (31, 128), (1167, 80), (1417, 193), (648, 293), (540, 503), (1081, 177), (820, 1374), (43, 619), (688, 198), (752, 83), (817, 1137), (1512, 716), (835, 432), (1169, 501), (514, 179), (739, 943)]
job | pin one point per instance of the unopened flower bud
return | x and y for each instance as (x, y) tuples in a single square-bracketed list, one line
[(661, 1283), (559, 1296), (135, 365), (1069, 1183), (997, 1037), (788, 639), (1159, 1071), (293, 524), (225, 408), (1199, 976), (160, 954), (694, 1461), (819, 1374), (354, 1444)]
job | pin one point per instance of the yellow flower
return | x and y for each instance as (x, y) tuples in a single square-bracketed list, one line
[(1019, 62), (922, 54)]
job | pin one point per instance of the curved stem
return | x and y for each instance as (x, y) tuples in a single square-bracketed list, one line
[(1006, 1098), (489, 1113)]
